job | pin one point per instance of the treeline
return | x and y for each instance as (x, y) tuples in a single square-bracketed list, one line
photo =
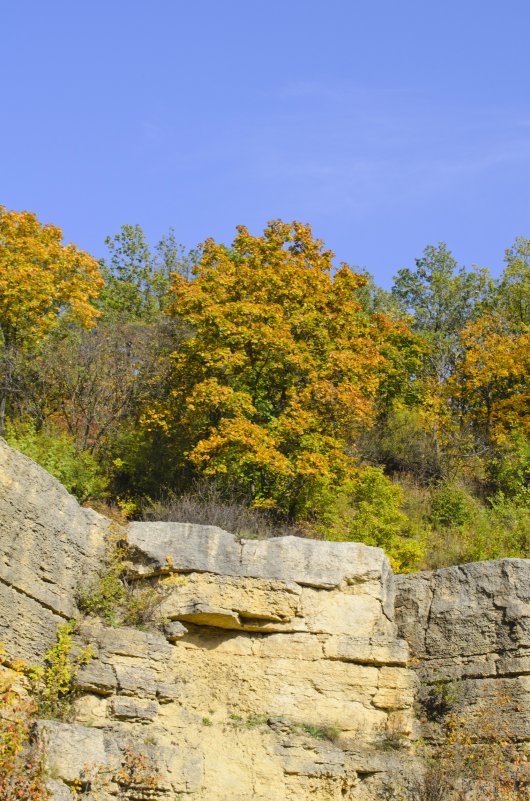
[(255, 387)]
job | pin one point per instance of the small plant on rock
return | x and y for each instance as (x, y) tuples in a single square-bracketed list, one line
[(53, 685), (22, 761)]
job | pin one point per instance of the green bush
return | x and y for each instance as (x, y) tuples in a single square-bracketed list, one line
[(368, 509), (451, 506), (509, 469), (496, 530), (53, 686), (55, 450)]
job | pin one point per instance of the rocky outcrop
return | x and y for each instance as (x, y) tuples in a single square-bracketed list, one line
[(280, 669), (277, 672), (47, 544), (468, 628)]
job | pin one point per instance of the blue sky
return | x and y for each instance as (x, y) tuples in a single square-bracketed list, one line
[(386, 125)]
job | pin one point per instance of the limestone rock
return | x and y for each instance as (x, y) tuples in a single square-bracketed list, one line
[(48, 545), (186, 547), (273, 675), (247, 597), (469, 626)]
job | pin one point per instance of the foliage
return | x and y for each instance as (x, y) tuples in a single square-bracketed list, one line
[(490, 388), (105, 593), (281, 370), (320, 732), (138, 771), (512, 296), (509, 469), (22, 761), (112, 595), (53, 686), (368, 509), (137, 279), (258, 388), (41, 280), (451, 506), (56, 451), (42, 283), (206, 505)]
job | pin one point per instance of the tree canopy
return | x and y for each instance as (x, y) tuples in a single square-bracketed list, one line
[(260, 382)]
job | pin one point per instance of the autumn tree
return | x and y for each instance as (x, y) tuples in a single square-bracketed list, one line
[(490, 388), (281, 370), (43, 283)]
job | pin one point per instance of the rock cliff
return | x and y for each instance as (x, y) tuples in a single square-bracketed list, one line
[(280, 669)]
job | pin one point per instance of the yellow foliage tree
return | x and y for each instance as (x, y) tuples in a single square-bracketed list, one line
[(281, 371), (41, 282), (490, 387)]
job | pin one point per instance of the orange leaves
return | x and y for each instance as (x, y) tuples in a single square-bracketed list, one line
[(282, 366), (41, 279), (490, 384)]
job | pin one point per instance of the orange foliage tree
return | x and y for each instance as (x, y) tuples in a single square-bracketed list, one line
[(280, 372), (42, 281), (490, 386)]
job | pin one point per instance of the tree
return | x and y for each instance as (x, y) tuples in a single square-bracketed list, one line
[(138, 279), (42, 283), (441, 298), (513, 288), (280, 372), (490, 388)]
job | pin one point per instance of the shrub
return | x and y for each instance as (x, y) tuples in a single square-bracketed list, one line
[(368, 509), (509, 469), (451, 506), (498, 530), (206, 505), (105, 593), (113, 596), (53, 686), (22, 762), (55, 450)]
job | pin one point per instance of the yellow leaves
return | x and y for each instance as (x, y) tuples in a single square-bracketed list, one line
[(490, 383), (237, 444), (41, 279), (281, 367)]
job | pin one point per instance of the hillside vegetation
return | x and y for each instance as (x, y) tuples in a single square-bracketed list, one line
[(257, 387)]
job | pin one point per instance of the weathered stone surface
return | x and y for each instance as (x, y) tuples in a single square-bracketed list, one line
[(470, 625), (174, 630), (71, 750), (368, 651), (266, 647), (124, 708), (470, 609), (246, 597), (186, 547), (336, 612), (48, 545)]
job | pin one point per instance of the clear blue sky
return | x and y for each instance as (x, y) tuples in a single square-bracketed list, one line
[(387, 125)]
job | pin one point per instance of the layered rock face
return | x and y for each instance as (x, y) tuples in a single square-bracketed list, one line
[(469, 627), (276, 674), (280, 670), (47, 544)]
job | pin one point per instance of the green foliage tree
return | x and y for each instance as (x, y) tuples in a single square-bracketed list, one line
[(441, 298), (512, 296), (368, 508), (138, 278)]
